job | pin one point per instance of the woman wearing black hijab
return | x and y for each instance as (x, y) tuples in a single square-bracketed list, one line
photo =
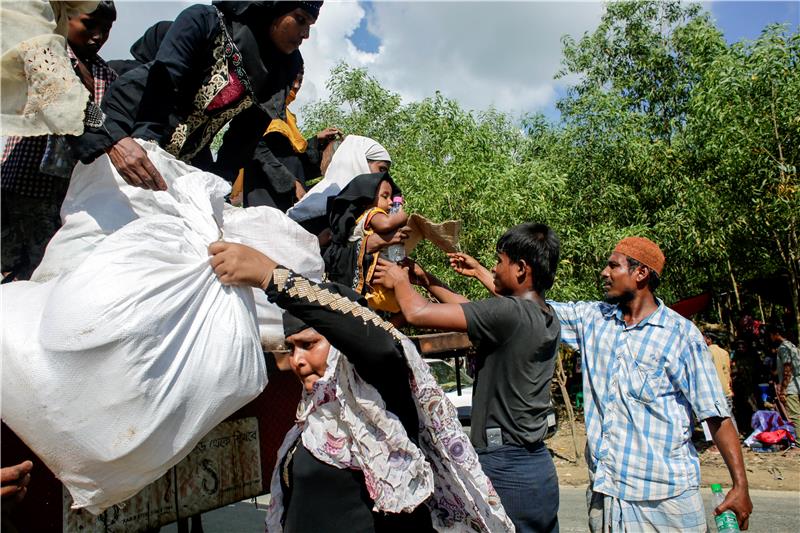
[(144, 50), (230, 61)]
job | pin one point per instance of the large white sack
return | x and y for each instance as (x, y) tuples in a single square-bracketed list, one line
[(280, 238), (99, 202), (114, 371)]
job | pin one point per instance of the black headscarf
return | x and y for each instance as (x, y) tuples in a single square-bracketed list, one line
[(342, 255), (106, 9), (292, 324), (144, 50), (237, 9), (270, 71)]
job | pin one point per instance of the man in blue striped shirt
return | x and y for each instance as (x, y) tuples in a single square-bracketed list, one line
[(646, 375)]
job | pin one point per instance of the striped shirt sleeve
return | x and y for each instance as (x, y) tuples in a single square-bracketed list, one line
[(700, 382), (569, 316)]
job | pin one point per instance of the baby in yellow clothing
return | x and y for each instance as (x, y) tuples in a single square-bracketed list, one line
[(362, 209)]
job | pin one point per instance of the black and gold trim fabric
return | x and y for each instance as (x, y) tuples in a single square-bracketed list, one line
[(200, 127), (332, 296)]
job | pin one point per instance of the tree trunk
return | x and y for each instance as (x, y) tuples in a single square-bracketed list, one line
[(561, 377), (791, 256), (761, 308), (794, 276), (795, 299), (731, 326), (791, 259), (735, 287)]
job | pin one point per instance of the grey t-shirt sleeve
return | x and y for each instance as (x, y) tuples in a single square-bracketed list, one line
[(490, 321)]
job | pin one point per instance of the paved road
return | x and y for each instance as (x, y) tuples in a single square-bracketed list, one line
[(775, 512)]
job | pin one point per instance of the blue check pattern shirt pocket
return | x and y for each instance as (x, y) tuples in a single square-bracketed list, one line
[(640, 383)]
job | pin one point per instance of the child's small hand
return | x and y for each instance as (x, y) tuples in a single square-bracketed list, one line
[(464, 264), (389, 274), (377, 242), (399, 218)]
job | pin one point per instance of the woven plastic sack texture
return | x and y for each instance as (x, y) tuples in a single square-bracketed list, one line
[(114, 371), (99, 202)]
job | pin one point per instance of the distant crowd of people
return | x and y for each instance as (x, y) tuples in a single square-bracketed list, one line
[(761, 370)]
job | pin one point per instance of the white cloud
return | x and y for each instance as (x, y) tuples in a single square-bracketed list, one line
[(133, 18), (329, 44), (501, 54)]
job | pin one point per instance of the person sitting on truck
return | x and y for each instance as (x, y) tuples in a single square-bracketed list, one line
[(516, 337), (35, 171), (361, 210), (376, 446)]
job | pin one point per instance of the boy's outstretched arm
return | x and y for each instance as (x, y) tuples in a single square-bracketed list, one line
[(417, 310), (436, 287), (466, 265)]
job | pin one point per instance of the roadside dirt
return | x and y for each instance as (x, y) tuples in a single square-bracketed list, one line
[(768, 471)]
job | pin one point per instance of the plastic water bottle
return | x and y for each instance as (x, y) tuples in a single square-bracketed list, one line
[(396, 252), (726, 521)]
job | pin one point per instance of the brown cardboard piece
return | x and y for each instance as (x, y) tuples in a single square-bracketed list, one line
[(444, 235)]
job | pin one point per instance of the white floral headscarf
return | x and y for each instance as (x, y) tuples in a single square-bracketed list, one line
[(344, 423), (41, 92)]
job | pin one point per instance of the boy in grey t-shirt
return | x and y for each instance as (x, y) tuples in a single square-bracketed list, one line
[(516, 336)]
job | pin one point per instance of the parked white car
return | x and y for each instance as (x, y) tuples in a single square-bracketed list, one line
[(445, 374)]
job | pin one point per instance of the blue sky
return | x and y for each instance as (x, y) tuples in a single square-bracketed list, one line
[(745, 20), (501, 54), (738, 20), (362, 37)]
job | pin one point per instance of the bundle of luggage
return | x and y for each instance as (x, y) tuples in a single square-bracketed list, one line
[(124, 349)]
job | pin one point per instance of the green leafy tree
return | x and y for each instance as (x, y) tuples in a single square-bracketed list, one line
[(620, 141), (668, 133), (649, 55), (744, 136)]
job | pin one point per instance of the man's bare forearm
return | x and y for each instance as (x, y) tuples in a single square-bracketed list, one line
[(411, 302), (419, 311), (738, 498), (727, 441)]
